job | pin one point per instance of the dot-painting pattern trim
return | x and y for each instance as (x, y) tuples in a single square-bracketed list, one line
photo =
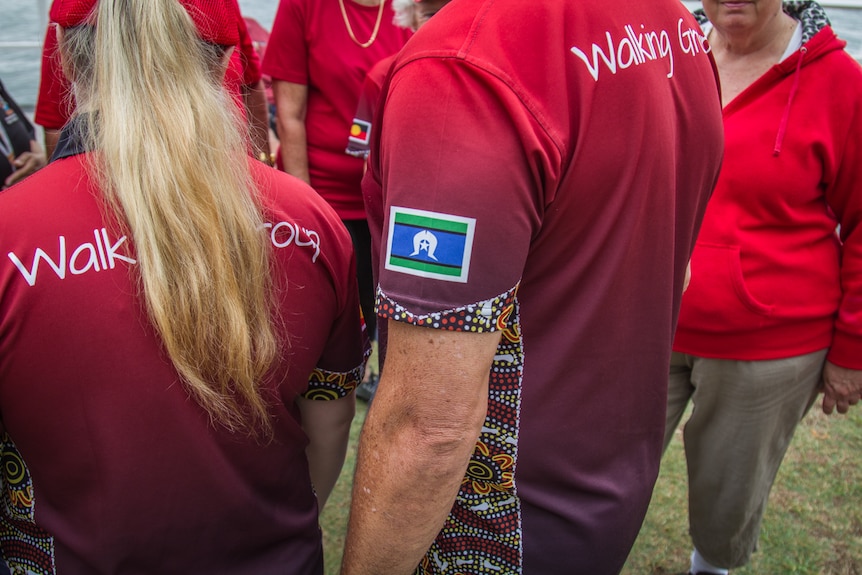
[(482, 535), (324, 385), (26, 548)]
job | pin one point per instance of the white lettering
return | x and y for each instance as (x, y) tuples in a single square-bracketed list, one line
[(112, 250), (30, 276), (611, 62), (624, 62), (101, 249), (284, 234), (692, 41), (665, 50), (637, 47), (97, 256), (91, 262), (281, 226)]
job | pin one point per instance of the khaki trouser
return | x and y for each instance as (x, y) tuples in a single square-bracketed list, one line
[(744, 416)]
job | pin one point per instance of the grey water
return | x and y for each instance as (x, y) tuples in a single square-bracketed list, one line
[(22, 30)]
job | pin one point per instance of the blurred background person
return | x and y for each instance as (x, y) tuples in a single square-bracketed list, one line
[(55, 101), (318, 55), (410, 14), (20, 153), (776, 295), (179, 325)]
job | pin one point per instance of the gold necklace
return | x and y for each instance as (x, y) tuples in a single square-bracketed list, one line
[(373, 33)]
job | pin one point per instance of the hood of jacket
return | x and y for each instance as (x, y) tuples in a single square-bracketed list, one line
[(818, 39)]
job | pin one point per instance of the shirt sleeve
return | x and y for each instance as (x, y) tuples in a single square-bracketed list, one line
[(466, 178), (363, 121), (340, 367), (844, 196), (286, 54)]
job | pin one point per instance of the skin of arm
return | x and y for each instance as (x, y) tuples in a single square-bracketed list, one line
[(415, 446), (52, 136), (254, 97), (27, 163), (327, 425), (842, 388), (291, 103)]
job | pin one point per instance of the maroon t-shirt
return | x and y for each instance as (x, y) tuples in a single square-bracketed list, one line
[(309, 45), (108, 465), (541, 170)]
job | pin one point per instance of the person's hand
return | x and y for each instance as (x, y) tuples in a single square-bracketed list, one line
[(842, 388), (26, 164)]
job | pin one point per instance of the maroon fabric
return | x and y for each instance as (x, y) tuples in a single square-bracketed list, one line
[(548, 182), (215, 19), (118, 471)]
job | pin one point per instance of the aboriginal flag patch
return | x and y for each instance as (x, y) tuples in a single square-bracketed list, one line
[(360, 131), (429, 244)]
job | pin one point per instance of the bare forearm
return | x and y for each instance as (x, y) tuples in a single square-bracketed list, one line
[(325, 460), (291, 101), (416, 445), (52, 136), (294, 151), (403, 490), (327, 425)]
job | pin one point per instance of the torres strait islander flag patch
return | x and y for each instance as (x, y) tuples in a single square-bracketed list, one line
[(429, 244), (360, 131)]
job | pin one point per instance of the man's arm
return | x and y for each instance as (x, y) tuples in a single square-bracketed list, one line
[(327, 425), (842, 388), (291, 103), (416, 444)]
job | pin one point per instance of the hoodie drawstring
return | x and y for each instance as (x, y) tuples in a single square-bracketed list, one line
[(782, 127)]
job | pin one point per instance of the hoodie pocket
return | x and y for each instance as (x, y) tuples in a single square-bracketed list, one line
[(717, 284)]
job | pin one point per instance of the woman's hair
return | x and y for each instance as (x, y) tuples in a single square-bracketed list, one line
[(171, 161), (403, 13)]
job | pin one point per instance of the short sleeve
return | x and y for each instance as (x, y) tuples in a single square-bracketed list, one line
[(346, 341), (340, 366), (463, 176), (286, 54), (359, 137)]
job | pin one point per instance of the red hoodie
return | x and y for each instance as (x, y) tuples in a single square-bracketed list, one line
[(771, 278)]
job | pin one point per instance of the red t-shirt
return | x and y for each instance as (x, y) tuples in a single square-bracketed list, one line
[(55, 104), (309, 45), (108, 464), (544, 168)]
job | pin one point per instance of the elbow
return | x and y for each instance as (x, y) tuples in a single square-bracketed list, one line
[(441, 437)]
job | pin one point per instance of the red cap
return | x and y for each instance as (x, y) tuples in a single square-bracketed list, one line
[(216, 20)]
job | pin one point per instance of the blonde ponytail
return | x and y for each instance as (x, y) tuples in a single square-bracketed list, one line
[(171, 159)]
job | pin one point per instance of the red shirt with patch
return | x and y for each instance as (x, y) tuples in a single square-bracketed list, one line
[(542, 169), (309, 45)]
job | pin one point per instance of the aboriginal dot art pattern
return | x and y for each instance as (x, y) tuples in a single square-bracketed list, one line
[(482, 534), (326, 385), (26, 548)]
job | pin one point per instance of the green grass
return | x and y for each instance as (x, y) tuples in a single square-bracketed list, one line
[(813, 525)]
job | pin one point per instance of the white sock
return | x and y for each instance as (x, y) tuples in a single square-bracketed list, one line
[(701, 565)]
